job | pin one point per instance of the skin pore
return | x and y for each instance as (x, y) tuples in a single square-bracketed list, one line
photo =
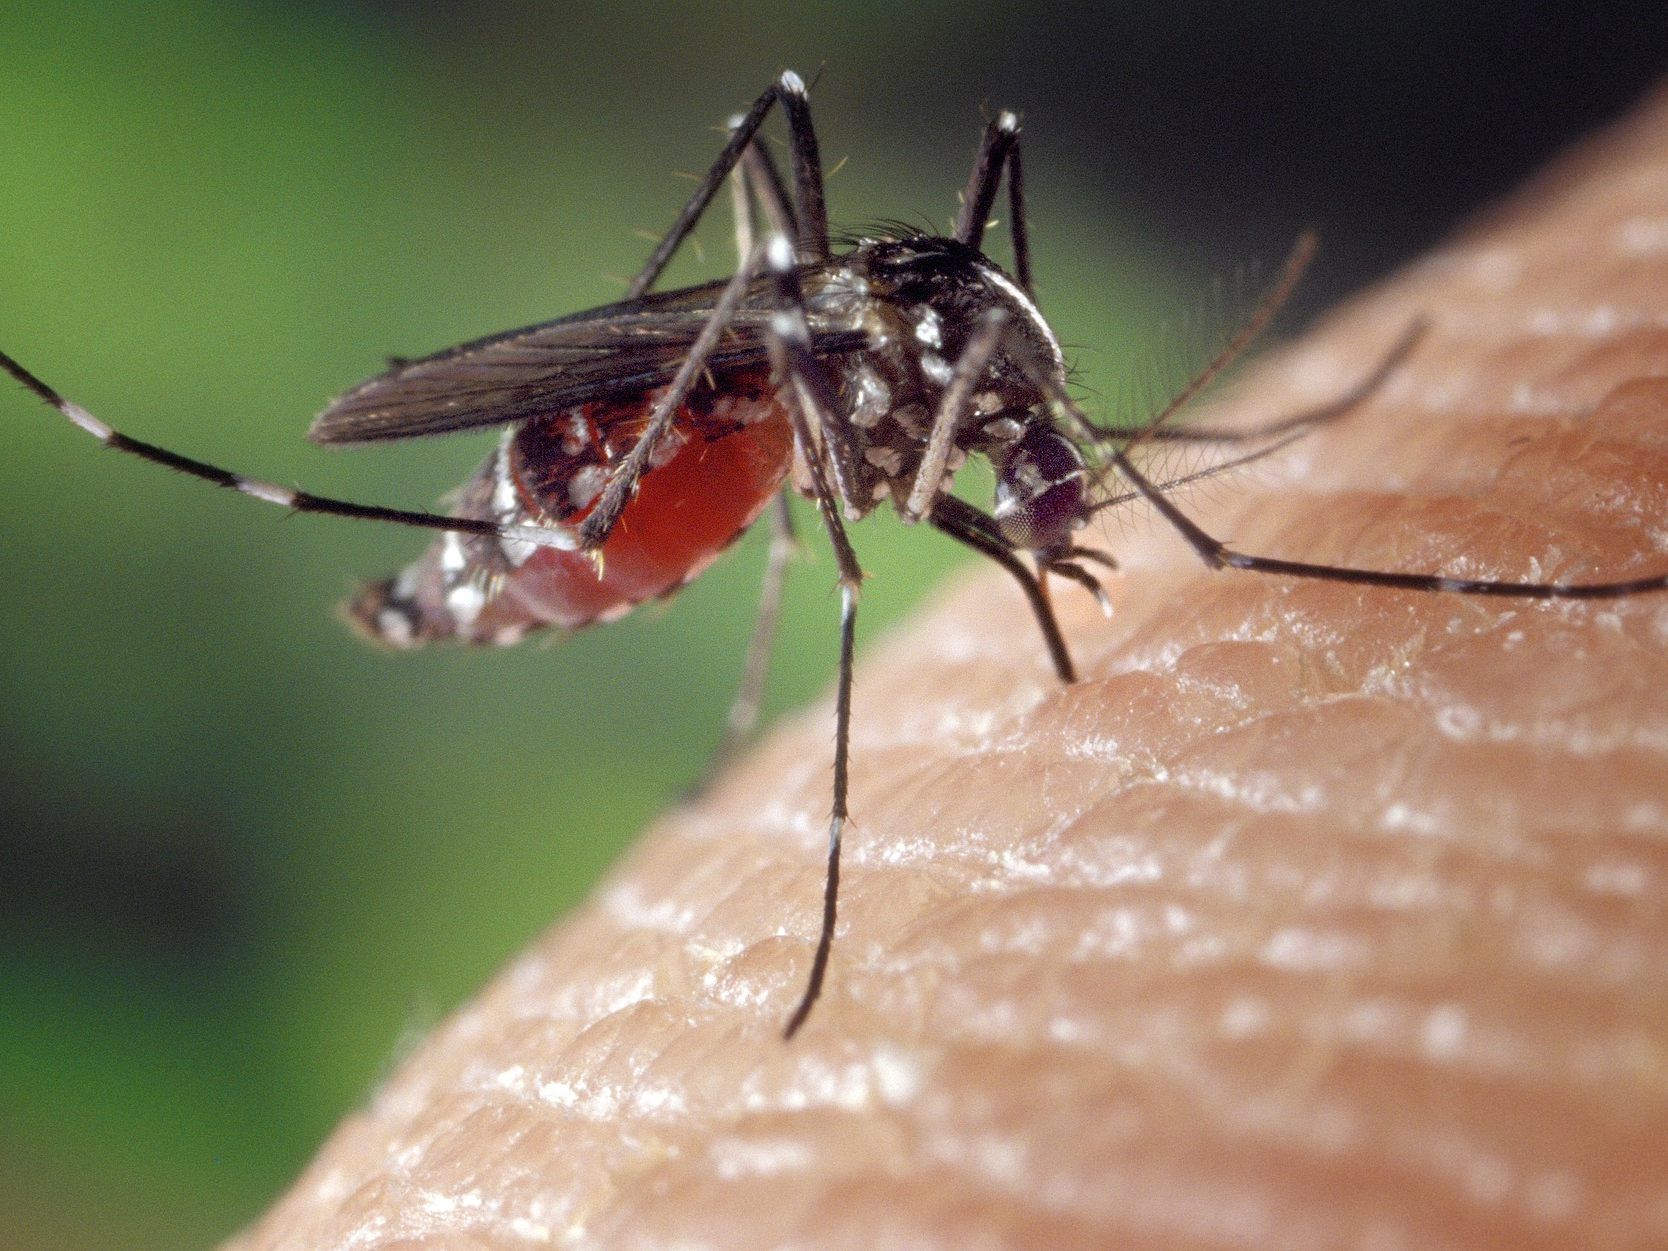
[(1314, 915)]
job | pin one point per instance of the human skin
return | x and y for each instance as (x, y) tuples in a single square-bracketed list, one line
[(1313, 916)]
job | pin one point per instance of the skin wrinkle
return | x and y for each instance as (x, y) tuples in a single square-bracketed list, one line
[(1315, 916)]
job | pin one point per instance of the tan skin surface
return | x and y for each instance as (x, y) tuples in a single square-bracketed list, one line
[(1313, 916)]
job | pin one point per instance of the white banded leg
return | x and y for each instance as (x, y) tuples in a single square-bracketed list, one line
[(270, 492), (953, 406), (810, 212), (807, 395), (998, 150)]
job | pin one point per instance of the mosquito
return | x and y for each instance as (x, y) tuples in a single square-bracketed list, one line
[(641, 438)]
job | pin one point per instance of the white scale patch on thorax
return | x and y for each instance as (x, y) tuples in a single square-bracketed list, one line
[(929, 328), (1033, 314), (871, 397)]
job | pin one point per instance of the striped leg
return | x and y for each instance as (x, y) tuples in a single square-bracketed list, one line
[(271, 493), (817, 419), (998, 149), (808, 216), (810, 211), (1218, 555)]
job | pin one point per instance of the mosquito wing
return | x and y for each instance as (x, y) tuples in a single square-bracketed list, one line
[(616, 350)]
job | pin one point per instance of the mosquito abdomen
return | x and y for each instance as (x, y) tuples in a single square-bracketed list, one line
[(716, 471)]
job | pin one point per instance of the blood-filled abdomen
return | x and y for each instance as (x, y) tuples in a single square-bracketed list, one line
[(728, 450)]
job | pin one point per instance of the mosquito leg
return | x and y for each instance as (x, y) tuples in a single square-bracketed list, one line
[(1061, 567), (742, 130), (622, 483), (837, 819), (967, 525), (812, 222), (999, 147), (769, 190), (952, 408), (806, 161), (755, 181), (1320, 415), (791, 356), (744, 710), (789, 91), (1001, 137), (1218, 555), (741, 205), (832, 433), (270, 492), (850, 580), (1018, 229)]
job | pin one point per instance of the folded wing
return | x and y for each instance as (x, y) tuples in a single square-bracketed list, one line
[(617, 350)]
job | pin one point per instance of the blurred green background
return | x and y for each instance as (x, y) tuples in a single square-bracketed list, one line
[(244, 859)]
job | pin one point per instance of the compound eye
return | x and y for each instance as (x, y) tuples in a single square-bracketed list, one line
[(1040, 490)]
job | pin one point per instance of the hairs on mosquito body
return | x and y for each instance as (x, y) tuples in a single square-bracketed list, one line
[(1158, 370), (884, 230), (1154, 375), (1190, 474)]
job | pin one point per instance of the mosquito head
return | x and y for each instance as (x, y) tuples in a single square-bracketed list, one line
[(1041, 490)]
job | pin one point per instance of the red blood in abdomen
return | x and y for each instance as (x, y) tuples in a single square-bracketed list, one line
[(686, 511)]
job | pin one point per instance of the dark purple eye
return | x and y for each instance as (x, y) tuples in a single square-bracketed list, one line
[(1039, 490)]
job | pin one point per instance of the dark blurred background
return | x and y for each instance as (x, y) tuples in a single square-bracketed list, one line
[(244, 860)]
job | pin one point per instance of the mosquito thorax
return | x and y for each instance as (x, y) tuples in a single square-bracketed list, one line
[(919, 299), (934, 291)]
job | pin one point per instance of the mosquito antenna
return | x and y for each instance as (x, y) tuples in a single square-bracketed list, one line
[(1308, 419), (1273, 300), (1197, 475)]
